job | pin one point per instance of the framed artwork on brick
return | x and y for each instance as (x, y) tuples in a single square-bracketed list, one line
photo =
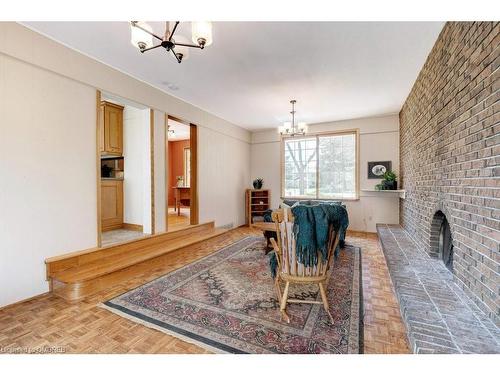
[(376, 169)]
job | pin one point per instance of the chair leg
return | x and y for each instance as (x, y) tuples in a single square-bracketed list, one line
[(283, 303), (278, 288), (325, 300)]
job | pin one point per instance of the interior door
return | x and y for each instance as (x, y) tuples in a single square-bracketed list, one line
[(113, 130)]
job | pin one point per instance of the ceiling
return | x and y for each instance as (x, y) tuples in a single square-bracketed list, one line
[(335, 70), (181, 131)]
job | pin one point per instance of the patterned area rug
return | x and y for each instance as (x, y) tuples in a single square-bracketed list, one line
[(226, 302)]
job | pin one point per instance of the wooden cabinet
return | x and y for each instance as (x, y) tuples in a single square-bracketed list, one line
[(101, 129), (111, 204), (111, 129), (257, 202), (111, 143)]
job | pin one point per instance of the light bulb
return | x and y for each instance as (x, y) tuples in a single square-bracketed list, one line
[(181, 49), (202, 33), (139, 38)]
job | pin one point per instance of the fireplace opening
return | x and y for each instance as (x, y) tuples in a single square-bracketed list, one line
[(442, 241), (445, 246)]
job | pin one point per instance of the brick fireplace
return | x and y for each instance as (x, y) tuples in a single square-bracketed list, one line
[(450, 158)]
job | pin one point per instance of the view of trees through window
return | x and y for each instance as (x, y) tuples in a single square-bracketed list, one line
[(320, 167)]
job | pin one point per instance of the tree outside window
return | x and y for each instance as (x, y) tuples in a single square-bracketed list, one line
[(320, 166)]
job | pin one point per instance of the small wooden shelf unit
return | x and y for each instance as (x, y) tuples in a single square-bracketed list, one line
[(257, 202)]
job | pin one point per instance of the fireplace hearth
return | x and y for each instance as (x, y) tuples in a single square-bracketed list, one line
[(439, 316)]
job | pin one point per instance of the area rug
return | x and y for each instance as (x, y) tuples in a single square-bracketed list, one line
[(226, 303)]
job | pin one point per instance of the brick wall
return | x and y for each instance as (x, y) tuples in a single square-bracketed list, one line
[(450, 154)]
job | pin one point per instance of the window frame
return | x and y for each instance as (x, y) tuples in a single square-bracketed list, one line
[(317, 135)]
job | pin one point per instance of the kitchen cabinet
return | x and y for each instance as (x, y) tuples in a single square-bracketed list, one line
[(111, 204), (111, 129)]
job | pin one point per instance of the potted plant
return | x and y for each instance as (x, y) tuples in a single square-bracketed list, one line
[(257, 183), (180, 181), (389, 181)]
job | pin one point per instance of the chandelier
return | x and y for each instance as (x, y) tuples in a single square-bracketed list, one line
[(290, 128), (142, 37)]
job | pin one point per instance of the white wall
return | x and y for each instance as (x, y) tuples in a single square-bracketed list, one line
[(379, 140), (135, 124), (224, 174), (160, 145), (48, 203), (48, 192)]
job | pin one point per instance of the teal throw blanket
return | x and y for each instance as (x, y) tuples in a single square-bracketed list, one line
[(311, 232)]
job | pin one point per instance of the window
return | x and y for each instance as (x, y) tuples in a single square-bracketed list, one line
[(322, 166)]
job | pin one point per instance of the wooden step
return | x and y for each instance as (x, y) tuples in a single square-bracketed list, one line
[(113, 263), (59, 263), (89, 275)]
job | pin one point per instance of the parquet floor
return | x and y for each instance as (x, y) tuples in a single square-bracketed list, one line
[(52, 324), (384, 331)]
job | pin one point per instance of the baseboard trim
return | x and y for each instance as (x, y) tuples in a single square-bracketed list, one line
[(111, 227), (136, 227), (25, 300), (361, 233)]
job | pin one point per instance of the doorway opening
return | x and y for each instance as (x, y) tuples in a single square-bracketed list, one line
[(181, 174), (124, 185)]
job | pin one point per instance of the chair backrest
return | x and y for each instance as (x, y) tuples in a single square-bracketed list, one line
[(287, 259)]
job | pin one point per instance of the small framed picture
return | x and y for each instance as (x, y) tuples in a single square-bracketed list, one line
[(376, 169)]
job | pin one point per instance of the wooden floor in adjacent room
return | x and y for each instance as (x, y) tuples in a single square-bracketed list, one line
[(176, 221), (50, 322)]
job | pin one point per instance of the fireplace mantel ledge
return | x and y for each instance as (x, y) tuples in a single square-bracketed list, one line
[(401, 193)]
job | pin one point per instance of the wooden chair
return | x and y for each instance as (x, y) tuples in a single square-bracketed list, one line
[(290, 271)]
